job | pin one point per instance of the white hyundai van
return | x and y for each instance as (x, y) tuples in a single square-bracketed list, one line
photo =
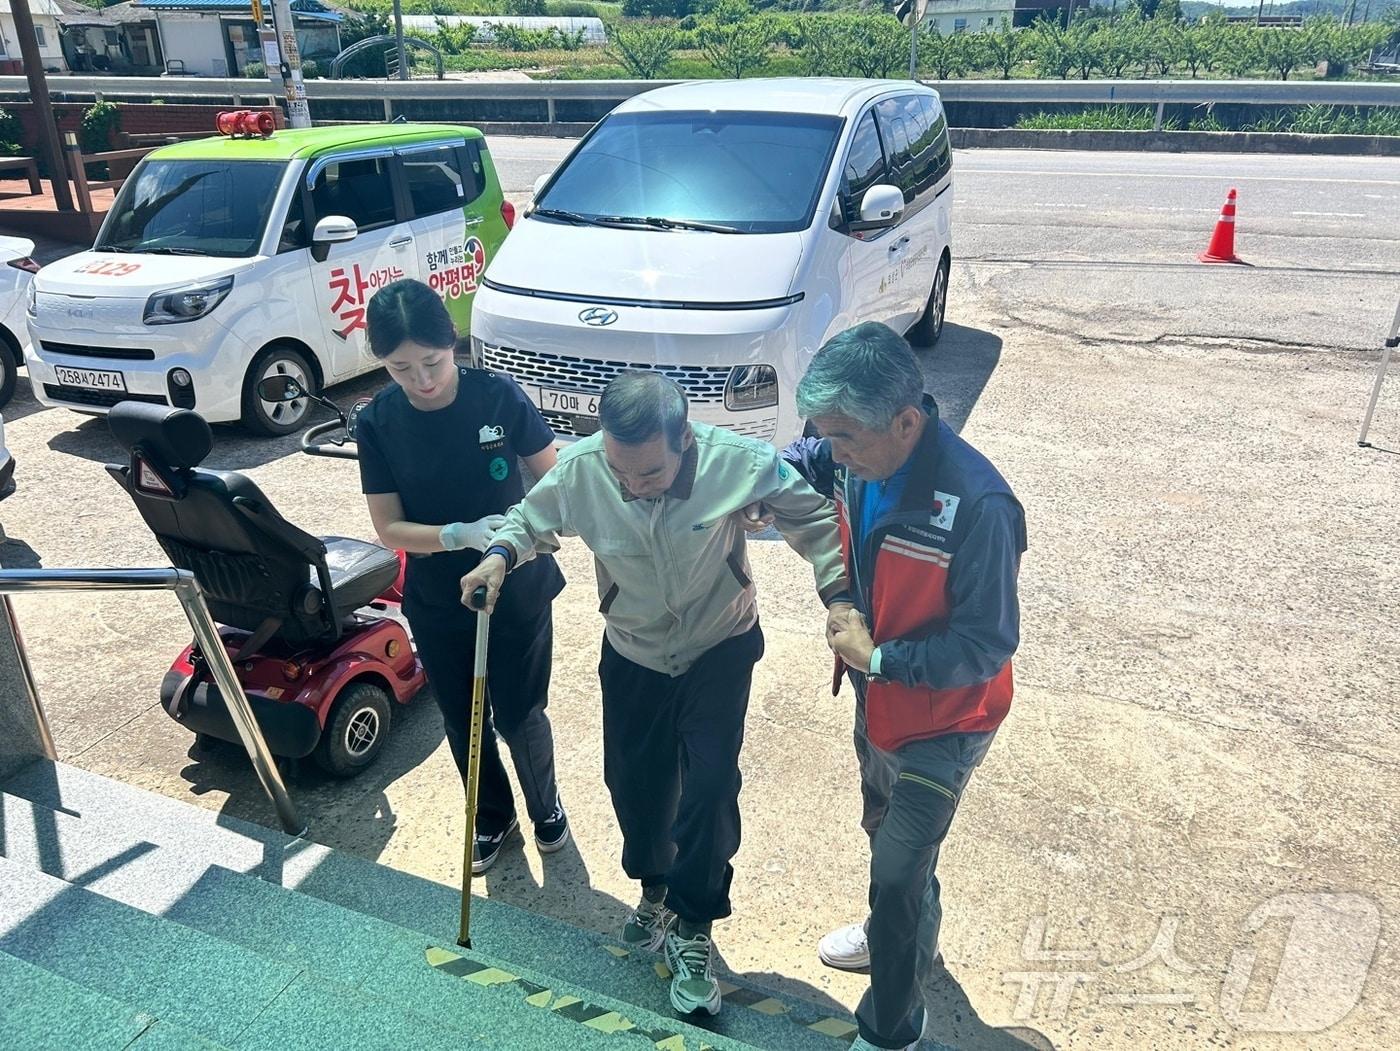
[(720, 232)]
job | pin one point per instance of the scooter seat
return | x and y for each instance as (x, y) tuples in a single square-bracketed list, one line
[(360, 572)]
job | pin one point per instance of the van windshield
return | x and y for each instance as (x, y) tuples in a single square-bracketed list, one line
[(217, 208), (743, 172)]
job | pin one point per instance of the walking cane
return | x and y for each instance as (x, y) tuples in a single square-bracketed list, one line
[(483, 627)]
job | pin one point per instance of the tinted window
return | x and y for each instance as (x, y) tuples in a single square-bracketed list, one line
[(434, 179), (755, 172), (897, 137), (865, 166), (193, 207), (360, 190), (938, 126)]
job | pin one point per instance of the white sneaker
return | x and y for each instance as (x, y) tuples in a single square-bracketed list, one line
[(846, 949)]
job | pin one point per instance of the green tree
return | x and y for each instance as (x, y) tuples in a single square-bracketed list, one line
[(880, 46), (1082, 42), (1198, 46), (643, 50), (736, 47), (1120, 44), (824, 49), (1165, 45), (1051, 48), (951, 55), (1168, 11), (1005, 47), (1282, 49), (1239, 53)]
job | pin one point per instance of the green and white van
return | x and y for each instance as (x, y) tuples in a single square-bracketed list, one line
[(225, 260)]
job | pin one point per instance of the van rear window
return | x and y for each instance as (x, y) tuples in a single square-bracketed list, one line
[(185, 207)]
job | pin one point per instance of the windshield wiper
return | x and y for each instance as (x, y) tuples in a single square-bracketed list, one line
[(568, 217), (111, 248), (660, 223), (167, 250)]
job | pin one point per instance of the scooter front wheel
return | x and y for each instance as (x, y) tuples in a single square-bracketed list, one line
[(355, 731)]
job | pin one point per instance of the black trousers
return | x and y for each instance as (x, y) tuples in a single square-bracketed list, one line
[(518, 662), (671, 762)]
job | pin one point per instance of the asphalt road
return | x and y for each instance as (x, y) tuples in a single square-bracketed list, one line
[(1104, 245)]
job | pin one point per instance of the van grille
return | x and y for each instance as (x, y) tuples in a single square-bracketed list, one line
[(702, 383), (78, 350), (102, 399)]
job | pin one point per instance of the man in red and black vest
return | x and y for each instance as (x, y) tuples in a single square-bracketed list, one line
[(932, 537)]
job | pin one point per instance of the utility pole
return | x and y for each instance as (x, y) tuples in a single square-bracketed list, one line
[(284, 49), (398, 39), (911, 13), (43, 108)]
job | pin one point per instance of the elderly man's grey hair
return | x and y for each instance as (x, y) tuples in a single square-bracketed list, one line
[(637, 406), (868, 373)]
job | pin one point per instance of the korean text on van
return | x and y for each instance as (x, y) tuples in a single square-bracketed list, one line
[(232, 258)]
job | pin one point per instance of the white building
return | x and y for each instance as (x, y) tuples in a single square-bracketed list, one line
[(46, 15)]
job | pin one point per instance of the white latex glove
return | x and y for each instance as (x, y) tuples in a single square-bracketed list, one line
[(476, 535)]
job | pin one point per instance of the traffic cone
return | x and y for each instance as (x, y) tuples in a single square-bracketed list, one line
[(1222, 242)]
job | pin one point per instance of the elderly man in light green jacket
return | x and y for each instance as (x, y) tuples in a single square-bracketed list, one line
[(664, 504)]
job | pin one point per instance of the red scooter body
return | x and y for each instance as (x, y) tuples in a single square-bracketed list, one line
[(321, 672)]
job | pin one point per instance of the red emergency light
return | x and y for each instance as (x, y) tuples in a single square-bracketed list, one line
[(245, 124)]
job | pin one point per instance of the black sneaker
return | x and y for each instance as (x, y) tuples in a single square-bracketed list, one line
[(488, 847), (553, 832)]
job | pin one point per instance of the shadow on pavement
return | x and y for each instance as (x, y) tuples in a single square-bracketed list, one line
[(956, 371), (16, 554), (354, 814), (952, 1020), (23, 403)]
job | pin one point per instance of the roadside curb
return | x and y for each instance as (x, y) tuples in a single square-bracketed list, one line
[(1175, 141)]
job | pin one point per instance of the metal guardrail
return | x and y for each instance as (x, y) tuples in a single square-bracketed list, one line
[(206, 634), (1255, 92)]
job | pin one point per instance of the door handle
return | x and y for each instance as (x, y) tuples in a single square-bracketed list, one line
[(401, 242), (899, 244)]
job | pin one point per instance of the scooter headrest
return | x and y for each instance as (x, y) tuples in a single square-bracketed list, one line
[(172, 437)]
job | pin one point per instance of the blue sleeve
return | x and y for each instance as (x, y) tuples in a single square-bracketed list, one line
[(812, 458), (984, 622), (529, 432)]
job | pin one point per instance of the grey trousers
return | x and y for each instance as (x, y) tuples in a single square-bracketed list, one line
[(909, 798)]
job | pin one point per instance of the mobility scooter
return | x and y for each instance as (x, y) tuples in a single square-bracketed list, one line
[(321, 673)]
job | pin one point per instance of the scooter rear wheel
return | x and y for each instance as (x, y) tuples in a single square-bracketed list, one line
[(356, 730)]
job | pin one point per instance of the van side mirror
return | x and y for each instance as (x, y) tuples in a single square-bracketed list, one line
[(880, 208), (538, 186), (333, 229)]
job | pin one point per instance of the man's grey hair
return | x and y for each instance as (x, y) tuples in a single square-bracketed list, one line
[(637, 406), (868, 373)]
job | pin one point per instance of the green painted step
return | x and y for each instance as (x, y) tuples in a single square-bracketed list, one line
[(583, 959), (336, 944), (40, 1011), (217, 990)]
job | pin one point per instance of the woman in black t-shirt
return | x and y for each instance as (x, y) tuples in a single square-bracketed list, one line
[(439, 452)]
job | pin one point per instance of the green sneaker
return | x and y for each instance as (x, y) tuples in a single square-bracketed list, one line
[(647, 926), (693, 985)]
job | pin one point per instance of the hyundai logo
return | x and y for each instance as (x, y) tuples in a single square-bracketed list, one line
[(597, 316)]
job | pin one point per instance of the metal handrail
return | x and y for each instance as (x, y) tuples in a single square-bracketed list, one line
[(206, 634)]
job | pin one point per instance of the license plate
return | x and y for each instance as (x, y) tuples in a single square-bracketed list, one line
[(90, 379), (570, 402)]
